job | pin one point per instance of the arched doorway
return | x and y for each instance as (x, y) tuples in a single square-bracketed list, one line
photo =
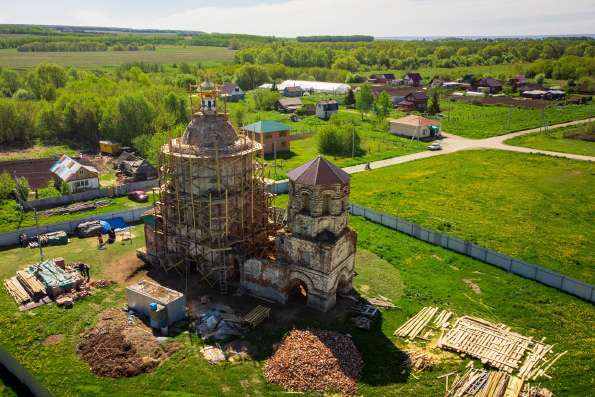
[(297, 292)]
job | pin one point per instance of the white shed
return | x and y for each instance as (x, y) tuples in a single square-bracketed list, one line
[(415, 127), (316, 86)]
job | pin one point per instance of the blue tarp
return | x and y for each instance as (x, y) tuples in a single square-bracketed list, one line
[(105, 226), (117, 223)]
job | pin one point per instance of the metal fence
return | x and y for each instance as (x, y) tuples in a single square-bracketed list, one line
[(508, 263), (119, 190), (12, 238)]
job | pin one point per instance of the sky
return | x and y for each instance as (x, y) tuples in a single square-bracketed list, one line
[(290, 18)]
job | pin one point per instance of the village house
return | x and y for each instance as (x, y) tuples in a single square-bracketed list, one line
[(413, 126), (272, 135), (231, 92), (488, 85), (325, 109), (134, 167), (415, 101), (288, 105), (386, 78), (397, 94), (293, 92), (413, 79), (79, 177)]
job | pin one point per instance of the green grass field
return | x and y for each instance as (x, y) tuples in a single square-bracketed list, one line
[(410, 272), (533, 207), (37, 151), (476, 121), (94, 59), (11, 218), (556, 140)]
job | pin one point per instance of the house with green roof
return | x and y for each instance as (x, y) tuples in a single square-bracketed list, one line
[(272, 135)]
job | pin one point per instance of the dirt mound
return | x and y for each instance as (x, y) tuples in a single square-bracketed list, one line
[(53, 340), (315, 360), (117, 348)]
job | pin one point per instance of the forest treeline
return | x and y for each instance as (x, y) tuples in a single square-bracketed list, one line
[(336, 39), (414, 54)]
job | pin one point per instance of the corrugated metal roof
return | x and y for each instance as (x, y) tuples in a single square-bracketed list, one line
[(65, 168), (415, 121), (318, 86), (319, 172), (266, 126)]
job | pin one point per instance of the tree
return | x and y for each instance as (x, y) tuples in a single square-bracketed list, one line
[(127, 117), (264, 99), (238, 115), (23, 95), (346, 63), (9, 82), (364, 99), (383, 106), (48, 191), (249, 77), (540, 78), (65, 189), (7, 186), (434, 105)]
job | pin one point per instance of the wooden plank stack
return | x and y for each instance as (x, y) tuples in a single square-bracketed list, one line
[(413, 327), (16, 290), (31, 284), (492, 344), (483, 383)]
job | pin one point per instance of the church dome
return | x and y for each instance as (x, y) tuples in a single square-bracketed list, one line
[(210, 132)]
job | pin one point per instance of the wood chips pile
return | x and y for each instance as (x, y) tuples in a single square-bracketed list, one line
[(315, 360)]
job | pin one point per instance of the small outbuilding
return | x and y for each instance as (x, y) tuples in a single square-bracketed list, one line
[(109, 147), (413, 79), (289, 105), (488, 85), (325, 109), (413, 126), (79, 177), (272, 135), (293, 91), (163, 306), (231, 92)]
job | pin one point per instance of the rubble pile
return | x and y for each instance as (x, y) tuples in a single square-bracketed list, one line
[(418, 361), (315, 360), (117, 347)]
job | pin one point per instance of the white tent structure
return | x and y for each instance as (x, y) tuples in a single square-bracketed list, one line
[(316, 86)]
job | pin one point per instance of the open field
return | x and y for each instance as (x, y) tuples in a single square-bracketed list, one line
[(533, 207), (93, 59), (38, 151), (410, 272), (376, 143), (11, 218), (476, 121), (558, 140)]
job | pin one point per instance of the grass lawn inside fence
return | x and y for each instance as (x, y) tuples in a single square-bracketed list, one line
[(557, 140), (37, 151), (411, 273), (531, 207), (94, 59), (12, 219), (376, 142), (484, 121)]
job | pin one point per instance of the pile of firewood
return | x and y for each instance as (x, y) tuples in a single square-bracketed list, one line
[(418, 360), (316, 361)]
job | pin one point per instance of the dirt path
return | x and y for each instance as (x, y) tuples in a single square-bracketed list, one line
[(454, 143)]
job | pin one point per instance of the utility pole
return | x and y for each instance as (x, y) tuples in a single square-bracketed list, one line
[(38, 242), (352, 141)]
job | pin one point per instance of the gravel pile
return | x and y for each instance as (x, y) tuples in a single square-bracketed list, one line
[(315, 360)]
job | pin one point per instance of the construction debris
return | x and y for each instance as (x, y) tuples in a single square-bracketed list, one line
[(418, 360), (213, 354), (117, 347), (316, 361), (483, 383), (494, 344), (413, 327), (382, 302), (77, 207), (531, 391), (362, 322), (220, 323), (257, 315)]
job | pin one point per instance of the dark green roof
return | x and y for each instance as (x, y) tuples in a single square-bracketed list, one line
[(266, 126)]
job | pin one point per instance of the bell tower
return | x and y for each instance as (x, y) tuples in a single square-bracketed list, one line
[(208, 94)]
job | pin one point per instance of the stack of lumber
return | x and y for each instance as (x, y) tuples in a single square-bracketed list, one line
[(257, 315), (315, 361), (31, 284), (536, 364), (382, 302), (493, 344), (441, 320), (483, 383), (415, 325), (16, 290)]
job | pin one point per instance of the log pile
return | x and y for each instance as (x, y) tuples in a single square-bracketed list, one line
[(315, 361), (483, 383)]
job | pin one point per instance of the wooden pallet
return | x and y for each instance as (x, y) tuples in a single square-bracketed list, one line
[(257, 315)]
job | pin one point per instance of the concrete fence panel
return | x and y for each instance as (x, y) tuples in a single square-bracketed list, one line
[(22, 374), (518, 267)]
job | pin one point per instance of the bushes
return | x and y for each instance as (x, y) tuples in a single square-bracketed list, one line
[(16, 122), (7, 186), (264, 99), (339, 139)]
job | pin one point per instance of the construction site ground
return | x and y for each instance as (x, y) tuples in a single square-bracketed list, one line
[(410, 273)]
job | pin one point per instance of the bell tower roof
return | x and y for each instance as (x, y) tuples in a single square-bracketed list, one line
[(319, 171)]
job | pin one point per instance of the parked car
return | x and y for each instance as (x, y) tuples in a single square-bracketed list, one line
[(435, 146), (139, 196)]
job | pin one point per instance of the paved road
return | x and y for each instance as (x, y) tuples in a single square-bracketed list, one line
[(454, 143)]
